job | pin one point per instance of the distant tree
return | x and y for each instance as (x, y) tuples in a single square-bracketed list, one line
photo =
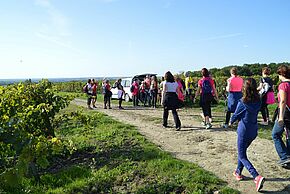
[(254, 69)]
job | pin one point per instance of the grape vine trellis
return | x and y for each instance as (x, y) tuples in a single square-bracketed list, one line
[(27, 124)]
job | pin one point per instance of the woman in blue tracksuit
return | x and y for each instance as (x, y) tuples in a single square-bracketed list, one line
[(246, 113)]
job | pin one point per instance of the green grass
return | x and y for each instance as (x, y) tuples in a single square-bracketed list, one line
[(112, 157), (100, 97)]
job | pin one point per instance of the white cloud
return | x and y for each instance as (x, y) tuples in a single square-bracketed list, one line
[(57, 30), (58, 41), (58, 20), (220, 37)]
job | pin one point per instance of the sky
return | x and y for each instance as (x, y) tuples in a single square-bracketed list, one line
[(102, 38)]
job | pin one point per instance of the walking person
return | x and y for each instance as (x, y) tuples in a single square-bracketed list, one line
[(142, 93), (154, 90), (234, 89), (283, 120), (94, 95), (189, 86), (207, 91), (135, 92), (180, 93), (170, 100), (147, 83), (267, 94), (160, 90), (214, 101), (107, 94), (121, 92), (88, 89), (246, 113)]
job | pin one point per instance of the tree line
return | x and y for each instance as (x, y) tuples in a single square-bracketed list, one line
[(243, 70)]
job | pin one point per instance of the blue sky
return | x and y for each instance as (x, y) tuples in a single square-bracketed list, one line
[(96, 38)]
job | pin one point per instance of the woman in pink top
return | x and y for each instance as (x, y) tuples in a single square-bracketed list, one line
[(283, 120), (206, 89), (154, 90), (180, 91), (135, 92), (234, 89)]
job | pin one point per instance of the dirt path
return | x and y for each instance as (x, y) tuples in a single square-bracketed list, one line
[(214, 149)]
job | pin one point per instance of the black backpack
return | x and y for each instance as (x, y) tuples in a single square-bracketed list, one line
[(132, 88), (206, 87), (85, 88), (207, 96)]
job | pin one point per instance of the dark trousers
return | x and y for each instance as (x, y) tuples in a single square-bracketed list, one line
[(264, 108), (147, 98), (175, 117), (228, 117), (107, 101), (154, 97), (120, 102), (89, 100), (206, 108), (135, 100)]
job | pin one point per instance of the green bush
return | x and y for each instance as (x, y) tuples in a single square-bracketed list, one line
[(27, 136)]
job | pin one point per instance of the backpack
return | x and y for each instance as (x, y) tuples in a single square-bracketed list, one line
[(85, 88), (132, 88), (206, 86), (265, 87), (104, 88), (206, 96)]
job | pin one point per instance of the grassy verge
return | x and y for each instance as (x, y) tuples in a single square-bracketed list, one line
[(111, 157), (100, 97)]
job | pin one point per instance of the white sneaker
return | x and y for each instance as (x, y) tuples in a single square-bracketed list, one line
[(264, 123), (208, 126)]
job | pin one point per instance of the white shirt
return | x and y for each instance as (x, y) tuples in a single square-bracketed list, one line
[(170, 86)]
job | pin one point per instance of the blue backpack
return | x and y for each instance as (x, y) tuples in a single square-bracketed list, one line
[(206, 87)]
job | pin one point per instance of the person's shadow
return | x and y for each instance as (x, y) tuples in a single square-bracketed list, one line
[(286, 190), (286, 166)]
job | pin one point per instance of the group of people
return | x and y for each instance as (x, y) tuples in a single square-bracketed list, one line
[(146, 91), (90, 88), (245, 99)]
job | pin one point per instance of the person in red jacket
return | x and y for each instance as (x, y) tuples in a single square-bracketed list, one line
[(94, 96), (135, 92)]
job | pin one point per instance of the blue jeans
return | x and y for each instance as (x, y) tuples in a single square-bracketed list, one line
[(282, 149), (243, 161)]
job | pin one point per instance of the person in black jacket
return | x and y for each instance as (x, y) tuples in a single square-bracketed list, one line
[(265, 88)]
